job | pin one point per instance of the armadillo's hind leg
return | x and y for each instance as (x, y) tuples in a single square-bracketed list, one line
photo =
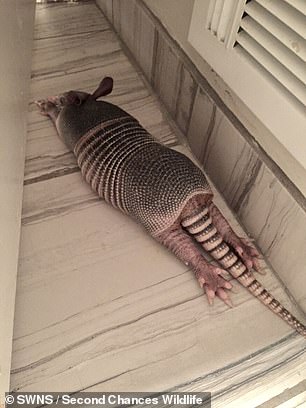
[(246, 251), (182, 245)]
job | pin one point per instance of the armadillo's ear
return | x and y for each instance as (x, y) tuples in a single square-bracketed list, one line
[(105, 88)]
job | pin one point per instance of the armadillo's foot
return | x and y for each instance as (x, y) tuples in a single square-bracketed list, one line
[(48, 108), (209, 276), (246, 251)]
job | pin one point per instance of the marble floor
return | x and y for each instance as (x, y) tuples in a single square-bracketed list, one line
[(100, 306)]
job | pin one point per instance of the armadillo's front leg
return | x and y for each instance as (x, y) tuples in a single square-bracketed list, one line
[(247, 252), (181, 244)]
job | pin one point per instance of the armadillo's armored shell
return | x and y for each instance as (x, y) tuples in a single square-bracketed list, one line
[(129, 169)]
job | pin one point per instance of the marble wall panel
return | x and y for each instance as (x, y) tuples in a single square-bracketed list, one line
[(137, 31), (173, 82), (201, 123), (279, 225), (185, 98), (166, 78)]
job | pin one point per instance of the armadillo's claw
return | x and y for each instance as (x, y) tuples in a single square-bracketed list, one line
[(217, 286), (224, 274), (227, 285), (256, 265), (259, 269), (201, 281), (220, 293), (210, 295), (224, 296), (228, 302)]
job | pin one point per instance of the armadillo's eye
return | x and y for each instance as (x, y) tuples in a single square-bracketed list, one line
[(62, 100), (77, 100)]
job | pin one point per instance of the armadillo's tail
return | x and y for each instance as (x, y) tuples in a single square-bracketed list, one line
[(200, 225)]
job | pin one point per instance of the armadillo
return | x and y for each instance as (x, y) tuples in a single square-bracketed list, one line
[(160, 188)]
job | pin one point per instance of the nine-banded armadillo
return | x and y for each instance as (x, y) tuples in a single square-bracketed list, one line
[(159, 187)]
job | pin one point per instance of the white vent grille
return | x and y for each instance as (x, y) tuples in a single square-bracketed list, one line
[(273, 33), (223, 19)]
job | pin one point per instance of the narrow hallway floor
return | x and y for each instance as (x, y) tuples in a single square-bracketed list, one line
[(100, 306)]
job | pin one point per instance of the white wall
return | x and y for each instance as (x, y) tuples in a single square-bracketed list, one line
[(175, 15), (16, 30)]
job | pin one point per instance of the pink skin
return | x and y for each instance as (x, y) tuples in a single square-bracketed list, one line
[(186, 249), (209, 277)]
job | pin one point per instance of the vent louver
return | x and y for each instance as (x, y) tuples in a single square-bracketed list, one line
[(273, 33)]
